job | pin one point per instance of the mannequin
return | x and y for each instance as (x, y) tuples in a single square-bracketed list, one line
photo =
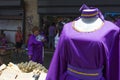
[(87, 49)]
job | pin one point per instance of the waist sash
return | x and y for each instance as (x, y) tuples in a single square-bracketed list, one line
[(85, 74)]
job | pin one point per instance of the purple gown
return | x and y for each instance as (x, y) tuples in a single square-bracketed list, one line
[(86, 56), (35, 49)]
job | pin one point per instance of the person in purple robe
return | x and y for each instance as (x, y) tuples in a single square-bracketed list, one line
[(35, 46), (86, 55)]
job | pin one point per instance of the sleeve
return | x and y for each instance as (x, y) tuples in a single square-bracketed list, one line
[(114, 58), (111, 48), (58, 64), (30, 46)]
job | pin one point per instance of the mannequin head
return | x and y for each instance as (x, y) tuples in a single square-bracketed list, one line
[(89, 13)]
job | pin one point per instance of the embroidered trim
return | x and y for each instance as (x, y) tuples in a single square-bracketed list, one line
[(82, 73), (73, 26), (89, 14)]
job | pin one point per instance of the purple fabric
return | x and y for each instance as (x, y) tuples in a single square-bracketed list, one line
[(119, 55), (88, 51), (118, 22), (84, 6), (35, 49)]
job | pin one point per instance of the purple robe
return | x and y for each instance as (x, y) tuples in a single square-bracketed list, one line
[(35, 49), (119, 57), (80, 54)]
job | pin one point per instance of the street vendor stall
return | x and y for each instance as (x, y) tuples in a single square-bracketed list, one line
[(23, 71)]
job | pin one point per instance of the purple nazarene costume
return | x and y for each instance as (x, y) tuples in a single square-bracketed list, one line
[(86, 56), (35, 49)]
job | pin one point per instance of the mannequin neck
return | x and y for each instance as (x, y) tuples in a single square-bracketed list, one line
[(89, 20), (88, 24)]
